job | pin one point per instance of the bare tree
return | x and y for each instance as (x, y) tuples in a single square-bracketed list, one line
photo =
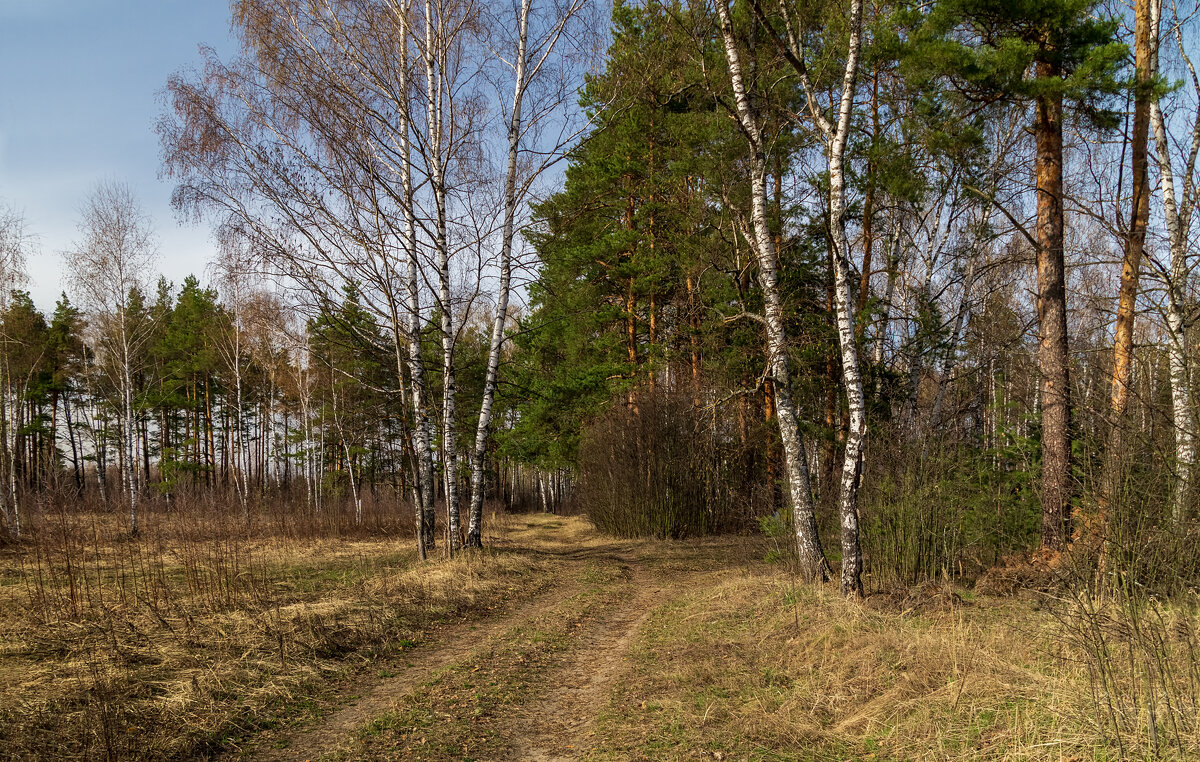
[(833, 134), (108, 267), (444, 20), (541, 86), (306, 144), (233, 271), (812, 557), (1178, 207), (14, 244)]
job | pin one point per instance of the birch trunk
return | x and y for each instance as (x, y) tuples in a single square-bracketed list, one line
[(950, 360), (1178, 219), (811, 556), (74, 449), (422, 441), (851, 372), (302, 392), (916, 362), (890, 291), (127, 429), (358, 509), (240, 457), (435, 97), (475, 518), (11, 508)]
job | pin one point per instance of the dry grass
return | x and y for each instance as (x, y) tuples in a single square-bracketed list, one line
[(1142, 656), (189, 638), (199, 630), (743, 663), (751, 666), (468, 710)]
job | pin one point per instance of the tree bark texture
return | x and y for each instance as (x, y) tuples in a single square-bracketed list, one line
[(1134, 246), (1053, 356), (812, 557)]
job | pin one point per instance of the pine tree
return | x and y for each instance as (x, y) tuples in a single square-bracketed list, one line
[(347, 346), (1046, 54), (66, 359)]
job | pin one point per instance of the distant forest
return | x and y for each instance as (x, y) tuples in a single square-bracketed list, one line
[(909, 287)]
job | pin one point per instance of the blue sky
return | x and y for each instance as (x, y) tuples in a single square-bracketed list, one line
[(79, 95)]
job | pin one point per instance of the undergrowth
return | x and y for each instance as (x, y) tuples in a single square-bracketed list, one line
[(201, 629)]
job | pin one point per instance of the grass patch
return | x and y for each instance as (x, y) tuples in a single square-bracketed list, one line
[(171, 648), (751, 666), (174, 645)]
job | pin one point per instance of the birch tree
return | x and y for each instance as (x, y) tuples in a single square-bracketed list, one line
[(1178, 207), (233, 270), (14, 244), (443, 20), (109, 266), (812, 557), (423, 483), (541, 73), (833, 134), (851, 371), (307, 144)]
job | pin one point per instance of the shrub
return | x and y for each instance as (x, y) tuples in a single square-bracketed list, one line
[(659, 466), (929, 510)]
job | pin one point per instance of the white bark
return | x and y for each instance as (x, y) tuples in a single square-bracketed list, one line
[(13, 244), (128, 428), (950, 360), (306, 415), (422, 439), (812, 557), (435, 45), (889, 293), (232, 273), (475, 515), (13, 506), (117, 252), (835, 135), (530, 59), (1178, 219), (341, 432), (844, 303)]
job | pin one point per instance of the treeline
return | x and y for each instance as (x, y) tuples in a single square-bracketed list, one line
[(365, 233), (918, 278), (249, 401)]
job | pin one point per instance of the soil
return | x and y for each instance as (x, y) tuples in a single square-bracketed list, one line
[(554, 721)]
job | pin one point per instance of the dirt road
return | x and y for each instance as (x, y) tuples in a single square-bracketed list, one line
[(552, 663)]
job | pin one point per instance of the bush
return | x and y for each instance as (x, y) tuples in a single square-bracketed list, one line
[(659, 466), (929, 510)]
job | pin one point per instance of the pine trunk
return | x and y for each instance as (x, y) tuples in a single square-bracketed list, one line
[(1134, 244), (1053, 357)]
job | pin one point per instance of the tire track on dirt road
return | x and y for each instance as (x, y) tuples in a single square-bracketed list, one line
[(447, 646), (559, 723)]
